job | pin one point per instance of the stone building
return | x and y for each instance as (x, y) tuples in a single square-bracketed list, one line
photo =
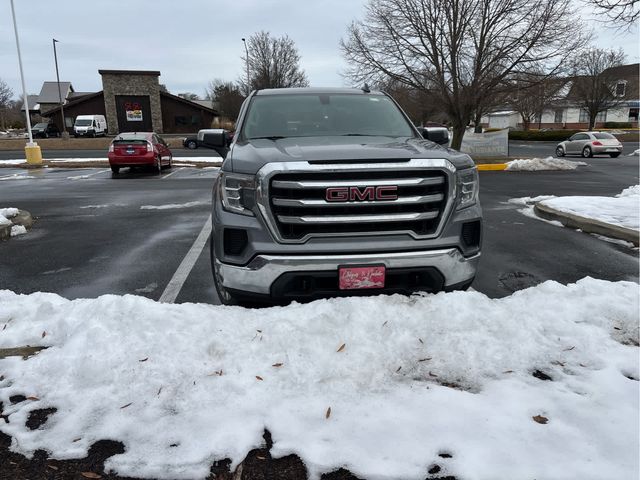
[(132, 100)]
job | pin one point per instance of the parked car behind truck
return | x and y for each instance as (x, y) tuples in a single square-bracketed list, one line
[(334, 192)]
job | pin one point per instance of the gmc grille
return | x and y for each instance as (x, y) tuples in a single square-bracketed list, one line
[(299, 207)]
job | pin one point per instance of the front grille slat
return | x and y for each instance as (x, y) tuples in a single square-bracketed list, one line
[(302, 202), (400, 217), (299, 207)]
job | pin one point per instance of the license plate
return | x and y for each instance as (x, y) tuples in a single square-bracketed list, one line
[(131, 151), (612, 149), (356, 278)]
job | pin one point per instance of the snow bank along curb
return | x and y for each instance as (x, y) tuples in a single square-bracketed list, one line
[(541, 384), (14, 222), (588, 225), (533, 165)]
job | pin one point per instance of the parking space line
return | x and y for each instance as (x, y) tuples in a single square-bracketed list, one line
[(175, 171), (89, 175), (180, 276)]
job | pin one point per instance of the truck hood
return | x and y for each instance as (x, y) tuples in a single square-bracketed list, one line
[(250, 156)]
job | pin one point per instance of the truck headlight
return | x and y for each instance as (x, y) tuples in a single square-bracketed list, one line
[(238, 192), (468, 186)]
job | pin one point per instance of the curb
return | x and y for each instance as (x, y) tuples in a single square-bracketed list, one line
[(491, 166), (23, 218), (588, 225)]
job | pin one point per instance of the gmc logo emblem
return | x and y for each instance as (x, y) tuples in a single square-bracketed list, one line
[(361, 194)]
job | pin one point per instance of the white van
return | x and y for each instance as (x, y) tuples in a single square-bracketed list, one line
[(90, 126)]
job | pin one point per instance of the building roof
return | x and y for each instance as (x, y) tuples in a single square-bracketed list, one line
[(191, 103), (49, 92), (75, 101), (203, 103), (76, 95), (32, 100), (154, 73)]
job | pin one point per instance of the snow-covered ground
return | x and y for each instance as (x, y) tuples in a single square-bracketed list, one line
[(622, 210), (380, 386), (548, 163), (636, 153)]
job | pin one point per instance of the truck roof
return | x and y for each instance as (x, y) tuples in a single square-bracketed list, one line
[(316, 91)]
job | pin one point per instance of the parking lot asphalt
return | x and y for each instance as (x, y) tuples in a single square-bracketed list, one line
[(96, 234)]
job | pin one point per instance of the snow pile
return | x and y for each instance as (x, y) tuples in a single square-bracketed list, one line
[(18, 230), (536, 164), (636, 153), (622, 210), (12, 162), (6, 214), (406, 379)]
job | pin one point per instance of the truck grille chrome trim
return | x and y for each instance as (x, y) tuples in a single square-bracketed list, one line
[(289, 202), (290, 197), (402, 217)]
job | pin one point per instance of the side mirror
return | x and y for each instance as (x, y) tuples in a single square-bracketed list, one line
[(215, 140), (436, 135)]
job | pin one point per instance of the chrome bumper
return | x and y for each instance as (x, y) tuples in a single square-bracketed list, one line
[(263, 270)]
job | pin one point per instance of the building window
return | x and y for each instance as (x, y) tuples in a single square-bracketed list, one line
[(601, 117), (633, 114), (558, 116), (181, 121), (621, 87), (195, 120), (584, 117)]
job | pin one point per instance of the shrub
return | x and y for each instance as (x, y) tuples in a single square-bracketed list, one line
[(541, 135), (617, 125)]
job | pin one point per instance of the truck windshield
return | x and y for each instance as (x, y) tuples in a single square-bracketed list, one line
[(83, 123), (305, 115)]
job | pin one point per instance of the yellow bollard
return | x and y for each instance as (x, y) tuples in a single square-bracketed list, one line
[(33, 153)]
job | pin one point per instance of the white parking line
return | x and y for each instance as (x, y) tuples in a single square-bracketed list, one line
[(175, 171), (180, 276), (77, 177)]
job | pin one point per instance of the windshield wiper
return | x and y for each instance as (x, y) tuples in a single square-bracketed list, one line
[(272, 137)]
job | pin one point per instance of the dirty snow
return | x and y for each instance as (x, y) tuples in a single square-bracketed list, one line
[(18, 230), (6, 214), (622, 210), (183, 385), (12, 162), (171, 206), (636, 153), (536, 164)]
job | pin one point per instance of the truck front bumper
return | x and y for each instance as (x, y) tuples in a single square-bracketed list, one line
[(260, 274)]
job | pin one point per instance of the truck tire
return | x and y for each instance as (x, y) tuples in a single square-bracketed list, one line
[(192, 145)]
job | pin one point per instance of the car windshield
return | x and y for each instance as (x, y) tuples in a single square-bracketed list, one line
[(40, 125), (132, 136), (83, 123), (604, 136), (303, 115)]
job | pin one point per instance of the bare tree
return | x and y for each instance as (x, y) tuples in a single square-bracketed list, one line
[(228, 96), (273, 63), (620, 13), (595, 82), (461, 49), (531, 93), (6, 94)]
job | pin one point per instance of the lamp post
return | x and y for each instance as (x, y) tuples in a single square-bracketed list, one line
[(31, 149), (247, 62), (55, 57)]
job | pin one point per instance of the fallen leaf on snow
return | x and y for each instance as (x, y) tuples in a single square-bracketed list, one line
[(420, 340), (277, 365), (144, 359), (568, 349), (399, 368), (90, 475), (35, 399), (424, 359), (44, 334), (341, 347), (328, 414), (433, 375), (258, 377), (127, 405), (540, 419)]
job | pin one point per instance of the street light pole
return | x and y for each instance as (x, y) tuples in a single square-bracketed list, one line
[(247, 62), (31, 150), (55, 56)]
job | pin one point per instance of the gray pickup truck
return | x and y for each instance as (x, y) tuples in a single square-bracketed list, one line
[(331, 192)]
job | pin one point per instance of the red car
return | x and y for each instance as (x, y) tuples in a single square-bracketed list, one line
[(138, 150)]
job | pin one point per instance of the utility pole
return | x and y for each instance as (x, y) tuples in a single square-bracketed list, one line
[(247, 62), (55, 57), (31, 150)]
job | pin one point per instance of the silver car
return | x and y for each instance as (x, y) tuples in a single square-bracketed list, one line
[(589, 144)]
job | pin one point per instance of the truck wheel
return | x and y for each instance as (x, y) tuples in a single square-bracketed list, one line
[(192, 145)]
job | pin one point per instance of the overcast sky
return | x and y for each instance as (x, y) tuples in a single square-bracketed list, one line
[(190, 41)]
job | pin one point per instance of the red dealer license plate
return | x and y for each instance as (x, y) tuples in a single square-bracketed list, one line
[(356, 278)]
